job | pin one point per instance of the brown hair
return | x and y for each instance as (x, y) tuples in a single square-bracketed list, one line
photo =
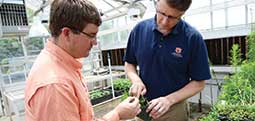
[(181, 5), (75, 14)]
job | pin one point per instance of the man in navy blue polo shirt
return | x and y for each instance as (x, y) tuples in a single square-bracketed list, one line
[(172, 59)]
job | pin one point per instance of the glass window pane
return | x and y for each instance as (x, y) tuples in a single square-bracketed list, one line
[(219, 18), (251, 13), (200, 21), (217, 1), (234, 13), (106, 25), (199, 3), (124, 35), (107, 41)]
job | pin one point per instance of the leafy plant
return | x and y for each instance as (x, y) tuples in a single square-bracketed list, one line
[(238, 88), (235, 59), (236, 112), (124, 96), (251, 47), (212, 116), (122, 84), (10, 47), (237, 93), (144, 104), (98, 93)]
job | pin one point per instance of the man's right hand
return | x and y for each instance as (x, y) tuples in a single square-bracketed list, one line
[(129, 108), (137, 89)]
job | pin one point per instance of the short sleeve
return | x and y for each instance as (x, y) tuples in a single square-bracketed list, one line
[(130, 50), (199, 66)]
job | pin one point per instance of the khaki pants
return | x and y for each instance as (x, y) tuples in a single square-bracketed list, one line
[(178, 112)]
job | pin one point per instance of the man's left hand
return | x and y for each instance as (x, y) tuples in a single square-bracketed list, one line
[(159, 106)]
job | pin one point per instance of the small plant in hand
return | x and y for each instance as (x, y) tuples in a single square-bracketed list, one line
[(144, 104)]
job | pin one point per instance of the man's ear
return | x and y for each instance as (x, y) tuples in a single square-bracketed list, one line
[(65, 31)]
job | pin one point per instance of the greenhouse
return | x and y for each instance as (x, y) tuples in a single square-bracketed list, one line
[(125, 56)]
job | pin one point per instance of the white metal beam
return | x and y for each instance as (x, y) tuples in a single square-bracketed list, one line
[(218, 6)]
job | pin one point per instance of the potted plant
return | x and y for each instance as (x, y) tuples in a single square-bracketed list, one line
[(237, 99), (144, 104), (99, 95), (143, 114), (121, 85)]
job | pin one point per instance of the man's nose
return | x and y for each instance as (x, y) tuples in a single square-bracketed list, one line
[(165, 20), (94, 42)]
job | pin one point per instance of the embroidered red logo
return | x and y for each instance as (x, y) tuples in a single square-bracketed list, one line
[(178, 50)]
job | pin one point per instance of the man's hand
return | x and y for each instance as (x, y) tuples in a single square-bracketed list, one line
[(137, 89), (159, 106), (129, 108)]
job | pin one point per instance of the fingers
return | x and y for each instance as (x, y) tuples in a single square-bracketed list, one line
[(153, 106), (133, 101), (159, 113), (136, 105), (157, 108), (143, 91), (129, 108), (130, 99), (136, 89)]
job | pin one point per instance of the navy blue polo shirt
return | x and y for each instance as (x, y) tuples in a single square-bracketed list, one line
[(167, 63)]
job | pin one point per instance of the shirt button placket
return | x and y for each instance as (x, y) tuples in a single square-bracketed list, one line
[(161, 40)]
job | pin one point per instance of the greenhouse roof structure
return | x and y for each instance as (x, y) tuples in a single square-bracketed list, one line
[(109, 8)]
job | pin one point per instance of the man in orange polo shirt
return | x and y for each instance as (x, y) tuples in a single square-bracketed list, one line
[(55, 89)]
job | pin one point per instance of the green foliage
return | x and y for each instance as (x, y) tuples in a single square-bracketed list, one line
[(236, 112), (98, 93), (235, 59), (144, 104), (4, 61), (124, 96), (212, 116), (122, 84), (251, 47), (238, 91), (10, 47), (238, 88), (34, 45), (231, 113), (237, 99), (143, 101), (247, 71)]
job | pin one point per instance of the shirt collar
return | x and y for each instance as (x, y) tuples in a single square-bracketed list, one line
[(175, 30), (63, 55)]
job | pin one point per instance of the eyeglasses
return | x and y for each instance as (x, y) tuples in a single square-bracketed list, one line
[(84, 33), (169, 16)]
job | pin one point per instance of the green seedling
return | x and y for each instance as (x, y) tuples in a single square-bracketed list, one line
[(144, 104)]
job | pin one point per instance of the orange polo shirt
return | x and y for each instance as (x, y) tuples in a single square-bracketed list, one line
[(56, 91)]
